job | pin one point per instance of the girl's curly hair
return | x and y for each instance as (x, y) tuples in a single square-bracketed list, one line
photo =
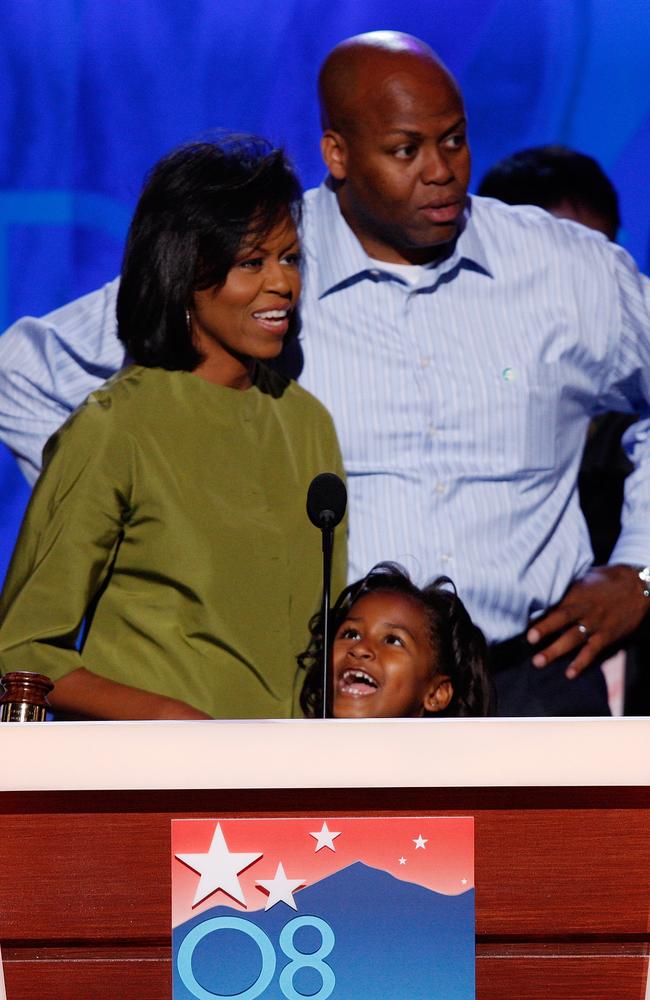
[(458, 644)]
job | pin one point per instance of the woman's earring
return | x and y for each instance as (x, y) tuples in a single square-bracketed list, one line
[(188, 320)]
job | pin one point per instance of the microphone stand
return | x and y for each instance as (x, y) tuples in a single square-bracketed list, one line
[(326, 502), (328, 540)]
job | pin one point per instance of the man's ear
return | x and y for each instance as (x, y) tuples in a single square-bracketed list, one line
[(438, 695), (334, 151)]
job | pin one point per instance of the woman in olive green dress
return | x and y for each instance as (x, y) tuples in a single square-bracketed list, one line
[(166, 568)]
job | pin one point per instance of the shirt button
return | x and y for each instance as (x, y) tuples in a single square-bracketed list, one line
[(433, 430), (425, 362), (445, 557), (440, 487), (375, 273)]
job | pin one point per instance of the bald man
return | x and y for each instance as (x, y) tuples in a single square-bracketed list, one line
[(384, 99), (462, 347)]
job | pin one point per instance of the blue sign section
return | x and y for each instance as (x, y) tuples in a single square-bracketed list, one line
[(362, 935)]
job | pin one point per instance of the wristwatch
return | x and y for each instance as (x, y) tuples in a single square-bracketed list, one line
[(644, 577)]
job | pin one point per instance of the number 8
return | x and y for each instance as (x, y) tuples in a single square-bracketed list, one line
[(307, 960)]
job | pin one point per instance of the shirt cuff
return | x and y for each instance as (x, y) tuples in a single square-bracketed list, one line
[(631, 549)]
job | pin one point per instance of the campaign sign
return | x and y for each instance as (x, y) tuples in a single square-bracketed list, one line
[(356, 909)]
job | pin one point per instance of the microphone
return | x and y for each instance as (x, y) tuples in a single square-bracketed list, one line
[(326, 502)]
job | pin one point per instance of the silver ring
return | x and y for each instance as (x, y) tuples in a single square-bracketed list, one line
[(583, 630)]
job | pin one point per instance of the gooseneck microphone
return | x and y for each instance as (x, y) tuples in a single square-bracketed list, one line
[(326, 502)]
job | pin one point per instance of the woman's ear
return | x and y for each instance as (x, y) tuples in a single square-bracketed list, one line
[(335, 153), (438, 694)]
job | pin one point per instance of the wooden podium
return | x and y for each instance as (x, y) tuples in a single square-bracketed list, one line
[(562, 819)]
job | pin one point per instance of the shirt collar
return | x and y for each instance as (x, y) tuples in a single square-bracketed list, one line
[(342, 261)]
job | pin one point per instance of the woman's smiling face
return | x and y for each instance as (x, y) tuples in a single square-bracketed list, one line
[(383, 660), (248, 316)]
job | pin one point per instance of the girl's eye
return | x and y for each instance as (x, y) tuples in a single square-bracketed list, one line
[(394, 640), (349, 633)]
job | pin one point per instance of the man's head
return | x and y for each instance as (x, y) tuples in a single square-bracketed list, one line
[(568, 184), (394, 143)]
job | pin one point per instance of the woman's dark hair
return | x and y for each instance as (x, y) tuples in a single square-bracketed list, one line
[(197, 207), (458, 643)]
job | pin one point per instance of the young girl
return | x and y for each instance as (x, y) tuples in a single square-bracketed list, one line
[(399, 650)]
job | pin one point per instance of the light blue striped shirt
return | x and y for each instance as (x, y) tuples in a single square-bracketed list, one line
[(461, 402)]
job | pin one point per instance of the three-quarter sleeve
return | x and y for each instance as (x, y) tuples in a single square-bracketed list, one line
[(67, 543)]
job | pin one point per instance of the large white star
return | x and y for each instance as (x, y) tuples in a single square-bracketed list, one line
[(421, 842), (218, 869), (280, 888), (325, 838)]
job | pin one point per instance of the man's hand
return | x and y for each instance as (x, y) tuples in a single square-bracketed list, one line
[(603, 607)]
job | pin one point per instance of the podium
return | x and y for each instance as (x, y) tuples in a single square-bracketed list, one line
[(562, 825)]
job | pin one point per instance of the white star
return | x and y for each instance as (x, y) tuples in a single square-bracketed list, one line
[(463, 881), (325, 838), (280, 888), (420, 842), (402, 861), (218, 869)]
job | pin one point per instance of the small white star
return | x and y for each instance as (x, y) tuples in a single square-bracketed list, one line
[(280, 888), (421, 842), (463, 881), (402, 861), (325, 838), (218, 869)]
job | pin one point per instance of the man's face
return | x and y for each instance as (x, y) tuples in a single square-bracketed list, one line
[(404, 167)]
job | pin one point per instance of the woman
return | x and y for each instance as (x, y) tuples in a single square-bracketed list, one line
[(169, 520)]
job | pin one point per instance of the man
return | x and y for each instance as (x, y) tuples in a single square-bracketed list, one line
[(462, 347)]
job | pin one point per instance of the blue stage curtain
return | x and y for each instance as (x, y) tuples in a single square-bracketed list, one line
[(92, 92)]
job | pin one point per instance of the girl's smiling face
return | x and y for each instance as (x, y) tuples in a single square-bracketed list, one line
[(384, 662)]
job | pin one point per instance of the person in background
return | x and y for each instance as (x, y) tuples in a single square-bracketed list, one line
[(462, 347), (398, 651), (571, 185), (166, 568), (568, 184)]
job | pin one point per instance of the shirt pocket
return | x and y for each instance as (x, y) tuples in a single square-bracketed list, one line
[(505, 426), (523, 420)]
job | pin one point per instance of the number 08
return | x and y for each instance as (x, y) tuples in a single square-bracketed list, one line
[(299, 959)]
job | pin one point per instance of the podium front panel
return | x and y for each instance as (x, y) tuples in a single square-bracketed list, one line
[(562, 854)]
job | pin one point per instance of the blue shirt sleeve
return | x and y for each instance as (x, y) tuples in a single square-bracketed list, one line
[(49, 366)]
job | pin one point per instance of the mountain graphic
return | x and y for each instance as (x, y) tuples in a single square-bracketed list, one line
[(393, 941)]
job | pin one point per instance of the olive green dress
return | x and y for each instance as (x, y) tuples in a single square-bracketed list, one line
[(170, 515)]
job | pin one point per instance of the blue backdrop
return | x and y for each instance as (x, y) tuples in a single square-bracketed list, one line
[(92, 92)]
